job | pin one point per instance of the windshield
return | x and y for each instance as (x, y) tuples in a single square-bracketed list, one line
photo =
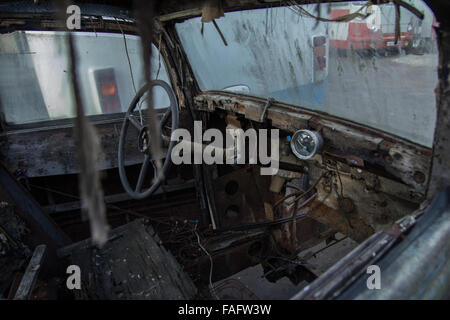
[(35, 84), (354, 70)]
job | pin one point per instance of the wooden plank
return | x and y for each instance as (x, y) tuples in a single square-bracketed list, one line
[(31, 273), (51, 151), (131, 265), (76, 205)]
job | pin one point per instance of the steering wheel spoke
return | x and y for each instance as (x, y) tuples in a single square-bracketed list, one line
[(135, 122), (154, 167), (142, 173), (165, 117)]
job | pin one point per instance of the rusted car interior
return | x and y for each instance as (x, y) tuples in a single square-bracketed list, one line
[(86, 181)]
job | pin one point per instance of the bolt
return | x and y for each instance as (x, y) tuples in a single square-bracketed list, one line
[(419, 177)]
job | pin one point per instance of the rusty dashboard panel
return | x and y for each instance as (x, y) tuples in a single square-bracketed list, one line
[(403, 161)]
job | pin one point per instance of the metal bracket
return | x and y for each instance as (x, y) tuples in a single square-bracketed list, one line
[(269, 102)]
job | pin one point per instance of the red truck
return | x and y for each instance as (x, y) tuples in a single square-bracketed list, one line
[(375, 32)]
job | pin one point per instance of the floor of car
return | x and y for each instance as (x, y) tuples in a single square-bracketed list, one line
[(249, 284)]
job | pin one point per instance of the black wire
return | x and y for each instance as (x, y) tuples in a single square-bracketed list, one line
[(340, 198), (257, 225), (126, 51)]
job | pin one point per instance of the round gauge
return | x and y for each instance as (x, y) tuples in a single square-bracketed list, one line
[(305, 143)]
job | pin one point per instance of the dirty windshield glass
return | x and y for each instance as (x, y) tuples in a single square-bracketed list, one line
[(35, 84), (355, 70)]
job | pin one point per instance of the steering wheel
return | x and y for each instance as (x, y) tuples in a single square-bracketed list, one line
[(143, 142)]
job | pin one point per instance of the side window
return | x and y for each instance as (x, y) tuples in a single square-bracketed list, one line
[(35, 84)]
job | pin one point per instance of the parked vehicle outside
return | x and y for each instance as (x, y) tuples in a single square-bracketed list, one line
[(375, 32)]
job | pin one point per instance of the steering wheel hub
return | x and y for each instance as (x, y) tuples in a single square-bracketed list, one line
[(144, 141)]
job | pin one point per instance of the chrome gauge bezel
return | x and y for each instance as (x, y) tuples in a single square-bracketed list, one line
[(317, 139)]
